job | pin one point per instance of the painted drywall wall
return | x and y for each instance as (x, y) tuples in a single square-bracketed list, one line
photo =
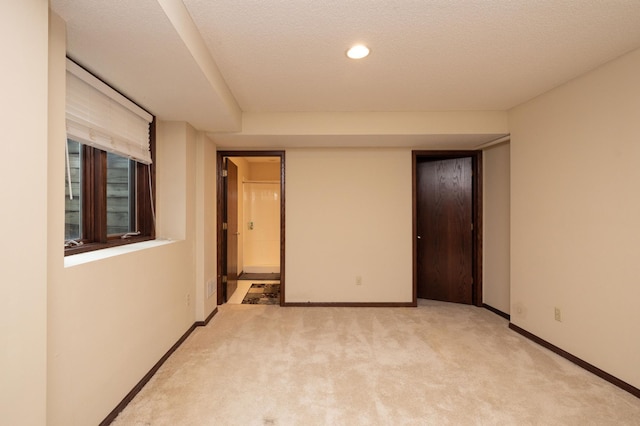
[(496, 221), (574, 216), (56, 182), (112, 314), (122, 309), (205, 234), (265, 171), (261, 226), (375, 123), (262, 208), (23, 293), (243, 174), (172, 218), (111, 320), (348, 215)]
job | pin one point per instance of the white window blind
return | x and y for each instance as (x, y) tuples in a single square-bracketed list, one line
[(99, 116)]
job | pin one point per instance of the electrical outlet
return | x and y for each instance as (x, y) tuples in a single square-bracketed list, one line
[(518, 308), (188, 299), (358, 280), (210, 287), (558, 314)]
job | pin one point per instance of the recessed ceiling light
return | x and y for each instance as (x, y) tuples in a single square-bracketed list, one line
[(358, 51)]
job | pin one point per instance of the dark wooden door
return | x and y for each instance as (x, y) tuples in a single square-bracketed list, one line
[(232, 229), (444, 202)]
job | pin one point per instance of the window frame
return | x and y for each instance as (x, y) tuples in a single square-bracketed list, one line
[(94, 201)]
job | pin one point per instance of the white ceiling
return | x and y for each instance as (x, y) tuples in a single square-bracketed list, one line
[(207, 62), (426, 55)]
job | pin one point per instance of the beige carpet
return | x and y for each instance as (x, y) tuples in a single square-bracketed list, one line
[(437, 364)]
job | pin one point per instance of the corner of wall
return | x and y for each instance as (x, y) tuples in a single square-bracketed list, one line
[(496, 222), (55, 200), (206, 280), (172, 180), (23, 305)]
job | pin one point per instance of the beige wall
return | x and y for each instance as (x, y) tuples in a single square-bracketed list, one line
[(206, 247), (574, 214), (348, 214), (262, 239), (56, 192), (23, 292), (265, 171), (112, 314), (173, 220), (243, 174), (251, 171), (262, 243), (110, 321), (495, 244)]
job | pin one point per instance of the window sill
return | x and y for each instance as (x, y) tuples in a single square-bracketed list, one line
[(95, 255), (113, 242)]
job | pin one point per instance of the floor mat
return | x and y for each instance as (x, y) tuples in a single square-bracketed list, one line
[(263, 294)]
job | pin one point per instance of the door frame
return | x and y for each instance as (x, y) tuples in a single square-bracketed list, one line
[(228, 236), (220, 205), (476, 164)]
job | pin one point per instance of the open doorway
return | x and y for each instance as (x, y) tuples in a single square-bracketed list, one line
[(250, 227)]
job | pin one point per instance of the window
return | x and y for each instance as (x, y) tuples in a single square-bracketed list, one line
[(109, 171), (72, 218), (121, 195)]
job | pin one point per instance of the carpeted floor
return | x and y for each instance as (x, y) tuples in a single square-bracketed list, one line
[(262, 294), (438, 364)]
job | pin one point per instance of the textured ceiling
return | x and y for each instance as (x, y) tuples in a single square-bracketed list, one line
[(208, 61), (426, 55)]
